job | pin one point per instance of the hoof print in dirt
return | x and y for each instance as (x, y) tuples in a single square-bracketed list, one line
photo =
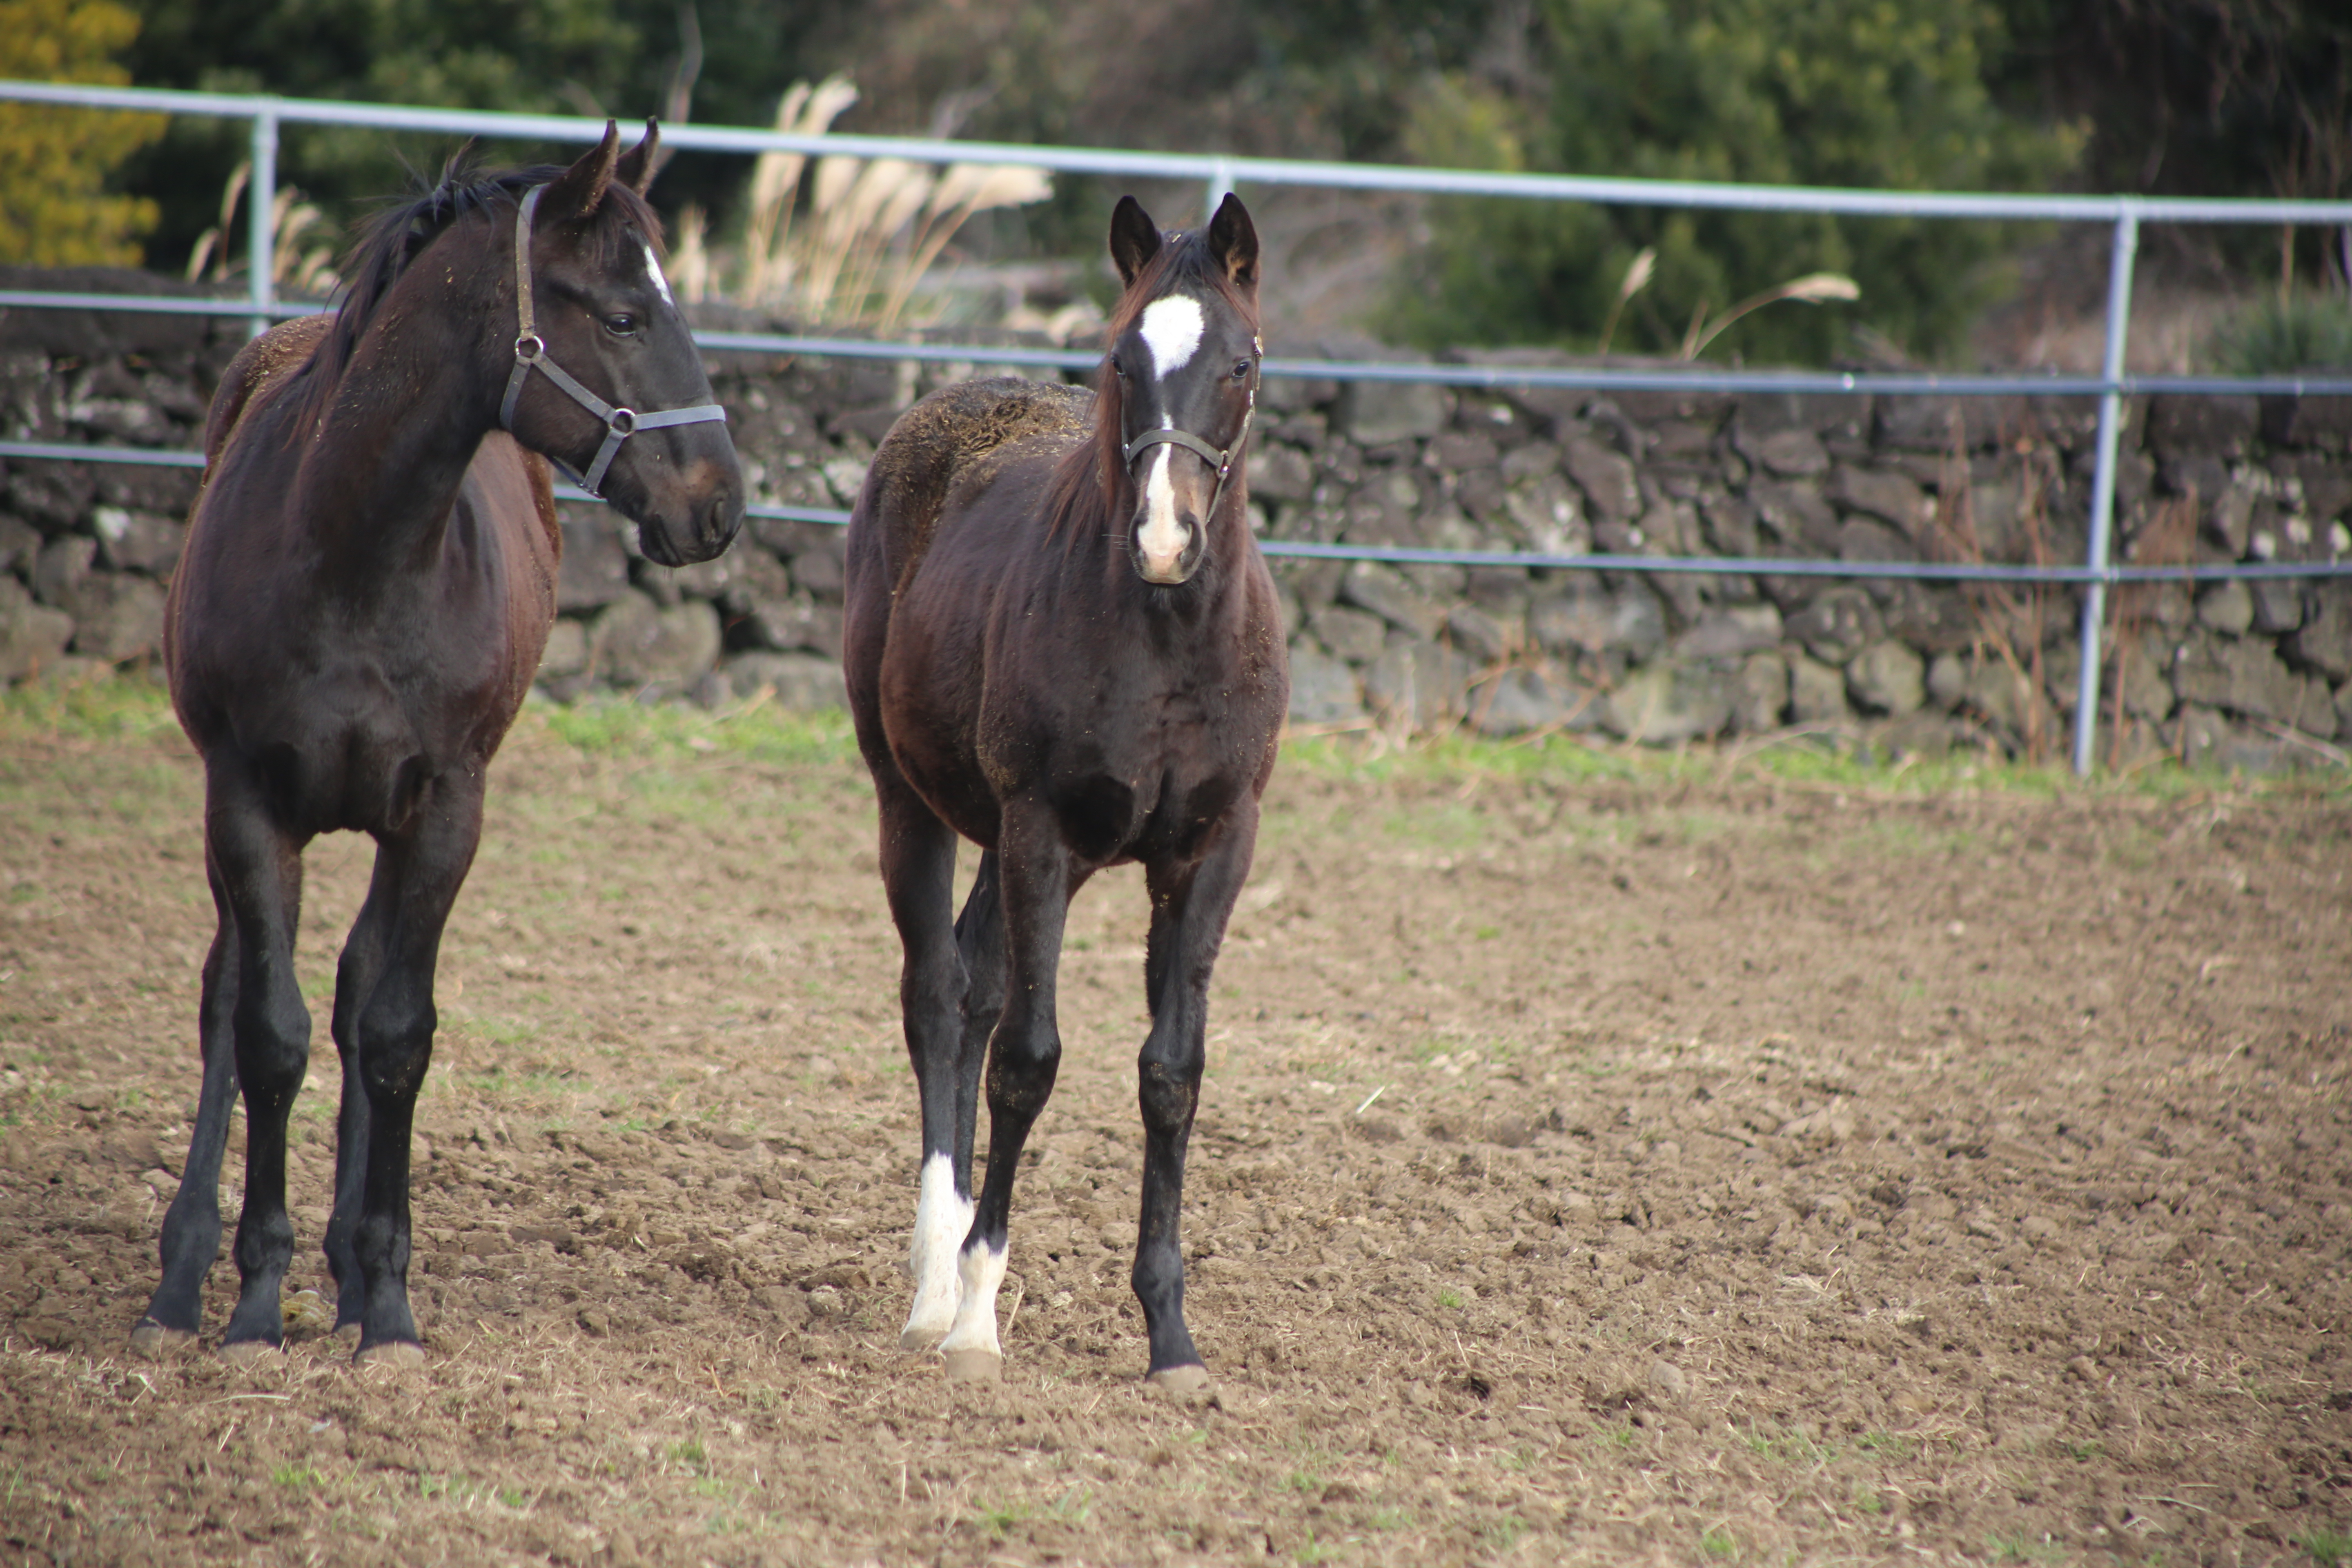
[(397, 1354), (973, 1366), (155, 1341)]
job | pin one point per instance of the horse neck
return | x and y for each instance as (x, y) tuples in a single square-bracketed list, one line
[(381, 470)]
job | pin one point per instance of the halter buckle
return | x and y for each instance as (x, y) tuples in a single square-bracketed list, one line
[(622, 421), (530, 348)]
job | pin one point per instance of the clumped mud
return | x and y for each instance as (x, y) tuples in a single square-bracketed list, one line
[(1627, 1172)]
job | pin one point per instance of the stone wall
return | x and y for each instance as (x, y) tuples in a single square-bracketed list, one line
[(2257, 674)]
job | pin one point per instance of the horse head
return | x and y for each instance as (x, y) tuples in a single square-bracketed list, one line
[(623, 400), (1185, 354)]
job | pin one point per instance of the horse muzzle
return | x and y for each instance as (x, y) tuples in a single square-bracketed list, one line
[(697, 520), (1166, 547)]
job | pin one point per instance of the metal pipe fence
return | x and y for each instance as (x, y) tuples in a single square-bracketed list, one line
[(1218, 173)]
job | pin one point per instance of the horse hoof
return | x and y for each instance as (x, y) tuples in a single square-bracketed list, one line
[(245, 1353), (395, 1354), (973, 1366), (917, 1337), (153, 1341), (1181, 1380)]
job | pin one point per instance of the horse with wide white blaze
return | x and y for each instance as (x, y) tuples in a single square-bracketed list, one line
[(1063, 644)]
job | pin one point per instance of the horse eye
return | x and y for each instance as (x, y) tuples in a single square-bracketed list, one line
[(1241, 370), (1118, 369), (621, 325)]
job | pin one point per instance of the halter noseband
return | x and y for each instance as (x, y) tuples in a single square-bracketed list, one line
[(1221, 461), (531, 354)]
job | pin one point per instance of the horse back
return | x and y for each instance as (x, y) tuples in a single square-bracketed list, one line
[(958, 438), (260, 366)]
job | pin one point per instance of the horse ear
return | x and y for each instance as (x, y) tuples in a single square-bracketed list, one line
[(1134, 239), (1233, 240), (638, 164), (578, 191)]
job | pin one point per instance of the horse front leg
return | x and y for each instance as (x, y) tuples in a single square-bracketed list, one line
[(364, 951), (392, 1026), (1190, 907), (917, 860), (192, 1226), (1024, 1053)]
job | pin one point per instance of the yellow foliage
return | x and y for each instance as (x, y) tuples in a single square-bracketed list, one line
[(54, 208)]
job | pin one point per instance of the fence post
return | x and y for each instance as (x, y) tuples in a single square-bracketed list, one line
[(261, 212), (1221, 186), (2102, 481)]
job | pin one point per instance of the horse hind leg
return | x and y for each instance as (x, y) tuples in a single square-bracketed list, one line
[(918, 862), (192, 1226)]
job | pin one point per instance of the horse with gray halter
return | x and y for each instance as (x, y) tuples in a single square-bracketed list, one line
[(368, 582), (1063, 644)]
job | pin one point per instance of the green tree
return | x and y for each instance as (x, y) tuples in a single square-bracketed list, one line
[(54, 208), (1880, 94), (621, 57)]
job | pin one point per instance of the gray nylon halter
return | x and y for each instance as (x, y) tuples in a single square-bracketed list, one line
[(531, 354), (1221, 461)]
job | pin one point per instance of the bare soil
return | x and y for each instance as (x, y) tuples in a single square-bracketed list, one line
[(1695, 1165)]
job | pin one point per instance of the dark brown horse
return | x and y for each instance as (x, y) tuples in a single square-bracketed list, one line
[(1064, 645), (368, 582)]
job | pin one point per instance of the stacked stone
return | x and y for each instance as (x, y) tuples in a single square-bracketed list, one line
[(2253, 674)]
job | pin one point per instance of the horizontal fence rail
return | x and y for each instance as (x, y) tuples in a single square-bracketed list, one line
[(1219, 173)]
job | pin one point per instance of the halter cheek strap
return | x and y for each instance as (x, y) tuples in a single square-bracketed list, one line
[(1221, 461), (531, 354)]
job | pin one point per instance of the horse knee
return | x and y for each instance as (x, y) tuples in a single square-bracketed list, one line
[(1022, 1065), (396, 1041), (1169, 1093), (273, 1044)]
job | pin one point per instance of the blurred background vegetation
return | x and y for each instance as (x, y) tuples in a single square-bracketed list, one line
[(2203, 97)]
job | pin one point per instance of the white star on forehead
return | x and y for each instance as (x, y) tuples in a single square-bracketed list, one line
[(1171, 330), (654, 271)]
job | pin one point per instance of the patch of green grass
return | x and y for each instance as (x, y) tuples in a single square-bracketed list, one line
[(1621, 1435), (999, 1519), (1717, 1544), (106, 707), (1884, 1445), (1448, 1296), (1504, 1533), (1389, 1519), (1313, 1550), (2019, 1548), (1568, 760), (616, 726), (688, 1453), (2323, 1544)]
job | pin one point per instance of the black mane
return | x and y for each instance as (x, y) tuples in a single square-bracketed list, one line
[(399, 233)]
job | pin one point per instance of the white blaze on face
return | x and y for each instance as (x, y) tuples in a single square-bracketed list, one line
[(1162, 537), (1171, 330), (942, 1219), (654, 271), (982, 1271)]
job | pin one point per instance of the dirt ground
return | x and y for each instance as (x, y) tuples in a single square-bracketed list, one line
[(1644, 1164)]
